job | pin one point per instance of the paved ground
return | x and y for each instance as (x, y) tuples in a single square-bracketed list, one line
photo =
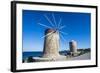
[(83, 57)]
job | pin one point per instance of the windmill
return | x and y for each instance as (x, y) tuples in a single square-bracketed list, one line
[(52, 37)]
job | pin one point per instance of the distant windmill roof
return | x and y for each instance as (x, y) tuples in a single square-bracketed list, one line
[(72, 40)]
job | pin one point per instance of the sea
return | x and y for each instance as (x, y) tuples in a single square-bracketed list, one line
[(39, 54)]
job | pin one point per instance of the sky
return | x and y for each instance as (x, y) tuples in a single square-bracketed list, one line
[(76, 25)]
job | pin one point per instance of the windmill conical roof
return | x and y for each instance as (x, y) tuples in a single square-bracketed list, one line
[(49, 30)]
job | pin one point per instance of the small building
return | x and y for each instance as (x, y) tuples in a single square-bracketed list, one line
[(73, 47)]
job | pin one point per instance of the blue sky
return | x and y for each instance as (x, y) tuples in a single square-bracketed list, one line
[(78, 27)]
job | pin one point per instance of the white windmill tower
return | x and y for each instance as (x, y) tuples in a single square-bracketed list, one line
[(52, 38)]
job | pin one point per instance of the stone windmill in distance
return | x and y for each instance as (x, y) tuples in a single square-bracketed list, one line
[(52, 38)]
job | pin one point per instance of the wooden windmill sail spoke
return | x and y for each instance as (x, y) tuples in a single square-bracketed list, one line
[(59, 23), (62, 27), (49, 20), (54, 20), (48, 34), (44, 25), (63, 39), (63, 32)]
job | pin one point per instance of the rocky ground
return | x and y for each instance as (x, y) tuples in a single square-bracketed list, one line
[(84, 56)]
